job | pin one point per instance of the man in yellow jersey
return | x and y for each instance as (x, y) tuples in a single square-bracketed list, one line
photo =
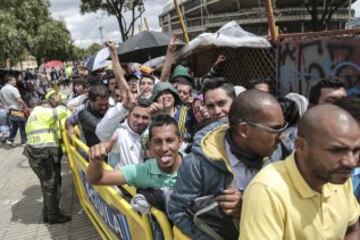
[(309, 194), (44, 153)]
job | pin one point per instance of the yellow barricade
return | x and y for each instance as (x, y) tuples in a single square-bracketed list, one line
[(110, 213), (108, 210)]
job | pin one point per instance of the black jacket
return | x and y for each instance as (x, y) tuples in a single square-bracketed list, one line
[(88, 119)]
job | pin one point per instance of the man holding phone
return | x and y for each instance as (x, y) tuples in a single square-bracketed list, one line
[(225, 157)]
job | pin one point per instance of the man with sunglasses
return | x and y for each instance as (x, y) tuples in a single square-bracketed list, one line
[(225, 157)]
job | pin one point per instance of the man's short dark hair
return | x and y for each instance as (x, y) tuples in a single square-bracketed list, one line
[(248, 106), (331, 82), (98, 90), (254, 82), (79, 80), (9, 77), (183, 81), (351, 105), (108, 76), (161, 120), (142, 102), (215, 83), (147, 76)]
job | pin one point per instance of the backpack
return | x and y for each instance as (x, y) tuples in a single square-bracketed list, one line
[(30, 86)]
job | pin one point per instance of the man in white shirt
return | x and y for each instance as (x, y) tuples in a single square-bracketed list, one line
[(14, 104), (125, 137)]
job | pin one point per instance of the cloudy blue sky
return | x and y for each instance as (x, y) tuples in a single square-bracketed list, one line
[(85, 28)]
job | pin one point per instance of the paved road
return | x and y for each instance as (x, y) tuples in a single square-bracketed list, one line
[(21, 202)]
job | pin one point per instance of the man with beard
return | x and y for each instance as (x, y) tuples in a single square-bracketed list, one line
[(124, 137), (309, 195), (94, 111)]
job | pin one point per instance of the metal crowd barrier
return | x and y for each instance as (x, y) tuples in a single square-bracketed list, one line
[(109, 211)]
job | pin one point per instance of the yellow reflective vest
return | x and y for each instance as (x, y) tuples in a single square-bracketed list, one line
[(42, 128)]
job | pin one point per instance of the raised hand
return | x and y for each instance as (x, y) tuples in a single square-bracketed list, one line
[(98, 152), (156, 108), (129, 100), (111, 45), (173, 45), (221, 58)]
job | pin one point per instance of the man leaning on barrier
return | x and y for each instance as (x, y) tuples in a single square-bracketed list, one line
[(44, 153), (159, 172), (224, 159), (309, 194)]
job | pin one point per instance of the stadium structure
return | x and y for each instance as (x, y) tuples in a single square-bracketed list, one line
[(209, 15)]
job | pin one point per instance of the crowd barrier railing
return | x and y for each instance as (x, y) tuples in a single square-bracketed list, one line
[(109, 211)]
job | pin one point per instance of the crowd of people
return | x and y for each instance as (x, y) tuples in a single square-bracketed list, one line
[(225, 161)]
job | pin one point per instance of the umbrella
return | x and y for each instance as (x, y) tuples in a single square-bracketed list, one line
[(144, 46), (54, 63), (98, 60)]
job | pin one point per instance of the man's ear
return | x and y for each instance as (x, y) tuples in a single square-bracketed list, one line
[(300, 144), (242, 130)]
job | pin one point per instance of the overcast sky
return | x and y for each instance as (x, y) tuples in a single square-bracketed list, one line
[(85, 28)]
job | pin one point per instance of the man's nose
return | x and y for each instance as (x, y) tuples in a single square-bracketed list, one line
[(351, 160)]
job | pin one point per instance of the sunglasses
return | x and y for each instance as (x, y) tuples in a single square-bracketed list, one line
[(278, 129)]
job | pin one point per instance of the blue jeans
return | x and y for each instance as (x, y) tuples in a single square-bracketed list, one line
[(17, 123)]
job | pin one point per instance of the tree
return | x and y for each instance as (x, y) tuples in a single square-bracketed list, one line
[(12, 38), (92, 49), (77, 53), (321, 11), (26, 28), (118, 8), (53, 41)]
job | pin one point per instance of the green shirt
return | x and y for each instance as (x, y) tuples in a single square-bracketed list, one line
[(148, 175)]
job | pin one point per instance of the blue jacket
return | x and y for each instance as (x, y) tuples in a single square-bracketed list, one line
[(205, 171)]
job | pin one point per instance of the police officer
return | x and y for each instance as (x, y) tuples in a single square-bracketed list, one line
[(44, 153)]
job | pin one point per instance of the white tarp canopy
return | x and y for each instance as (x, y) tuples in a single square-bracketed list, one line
[(230, 35)]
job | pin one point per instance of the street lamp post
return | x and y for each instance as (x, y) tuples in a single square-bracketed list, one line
[(101, 34)]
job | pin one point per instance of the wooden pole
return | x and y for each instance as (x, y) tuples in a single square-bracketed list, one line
[(181, 20), (271, 22)]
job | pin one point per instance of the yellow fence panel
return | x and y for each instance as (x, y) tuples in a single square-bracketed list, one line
[(107, 208), (109, 211)]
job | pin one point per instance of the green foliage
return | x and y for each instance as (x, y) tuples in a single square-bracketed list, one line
[(117, 8), (26, 28), (92, 49), (53, 41), (77, 53)]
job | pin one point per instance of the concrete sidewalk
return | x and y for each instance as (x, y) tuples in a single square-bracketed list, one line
[(21, 202)]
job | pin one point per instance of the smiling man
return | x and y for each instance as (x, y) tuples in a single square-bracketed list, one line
[(309, 194), (124, 136), (159, 172), (218, 97)]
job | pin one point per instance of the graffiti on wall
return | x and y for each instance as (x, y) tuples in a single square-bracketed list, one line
[(302, 63)]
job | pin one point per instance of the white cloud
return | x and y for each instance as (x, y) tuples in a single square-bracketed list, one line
[(85, 28)]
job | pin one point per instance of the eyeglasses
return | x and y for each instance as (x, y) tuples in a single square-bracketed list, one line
[(267, 128)]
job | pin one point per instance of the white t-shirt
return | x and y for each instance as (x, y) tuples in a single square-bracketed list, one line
[(127, 147), (9, 95)]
